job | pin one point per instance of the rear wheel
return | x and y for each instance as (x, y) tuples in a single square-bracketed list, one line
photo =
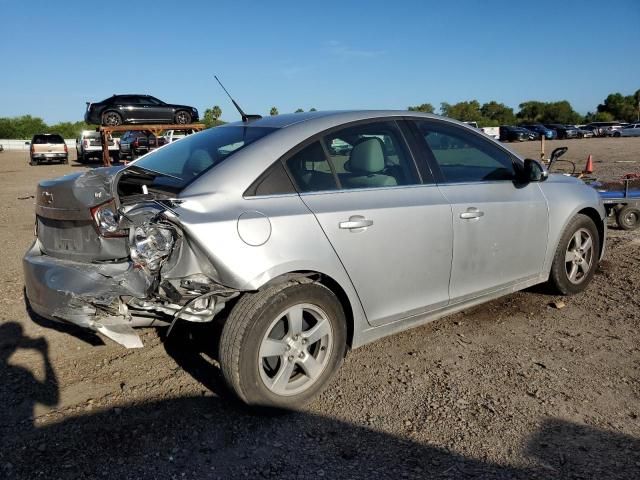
[(616, 134), (111, 119), (576, 256), (183, 117), (628, 217), (33, 162), (281, 346)]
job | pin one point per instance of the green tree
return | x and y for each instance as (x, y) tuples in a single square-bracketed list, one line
[(468, 111), (424, 108), (598, 117), (217, 112), (312, 109), (495, 114), (621, 107), (273, 112), (299, 110), (209, 118), (530, 112)]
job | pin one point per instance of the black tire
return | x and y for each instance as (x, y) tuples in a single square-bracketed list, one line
[(65, 161), (111, 119), (33, 163), (559, 278), (248, 324), (616, 134), (182, 117), (628, 217)]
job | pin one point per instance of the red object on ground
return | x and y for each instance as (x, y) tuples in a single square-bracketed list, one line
[(588, 168)]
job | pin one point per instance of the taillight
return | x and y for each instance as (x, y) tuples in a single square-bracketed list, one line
[(107, 220), (66, 149), (135, 143)]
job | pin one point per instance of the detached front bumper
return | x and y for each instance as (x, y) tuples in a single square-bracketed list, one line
[(85, 294)]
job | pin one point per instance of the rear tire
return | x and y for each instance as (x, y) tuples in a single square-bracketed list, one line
[(576, 257), (111, 119), (628, 217), (281, 346)]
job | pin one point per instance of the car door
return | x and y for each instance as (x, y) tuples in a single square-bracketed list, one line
[(390, 228), (500, 227), (156, 110)]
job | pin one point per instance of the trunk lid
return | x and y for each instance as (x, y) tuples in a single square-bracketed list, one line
[(65, 227)]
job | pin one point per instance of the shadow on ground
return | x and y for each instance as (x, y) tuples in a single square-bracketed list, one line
[(212, 437)]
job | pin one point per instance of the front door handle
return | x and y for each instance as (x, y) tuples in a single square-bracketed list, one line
[(471, 213), (355, 223)]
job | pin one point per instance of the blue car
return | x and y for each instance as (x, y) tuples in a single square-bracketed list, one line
[(548, 133)]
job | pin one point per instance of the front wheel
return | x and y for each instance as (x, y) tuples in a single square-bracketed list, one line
[(183, 117), (616, 134), (628, 217), (280, 346), (576, 257)]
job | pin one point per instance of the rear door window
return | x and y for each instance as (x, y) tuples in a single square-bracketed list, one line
[(44, 139)]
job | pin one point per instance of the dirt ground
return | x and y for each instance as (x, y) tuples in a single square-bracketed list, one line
[(516, 388)]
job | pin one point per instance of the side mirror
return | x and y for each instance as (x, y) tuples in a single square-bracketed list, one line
[(533, 171), (556, 154)]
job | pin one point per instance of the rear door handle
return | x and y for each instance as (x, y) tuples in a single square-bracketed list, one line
[(356, 222), (471, 213)]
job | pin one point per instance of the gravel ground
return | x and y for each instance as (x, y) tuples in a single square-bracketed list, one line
[(516, 388)]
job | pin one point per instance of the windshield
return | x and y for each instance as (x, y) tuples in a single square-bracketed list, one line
[(179, 163)]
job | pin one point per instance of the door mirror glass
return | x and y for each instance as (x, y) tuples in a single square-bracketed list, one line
[(534, 171)]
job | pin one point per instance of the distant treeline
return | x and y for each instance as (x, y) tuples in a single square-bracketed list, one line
[(624, 108), (616, 107)]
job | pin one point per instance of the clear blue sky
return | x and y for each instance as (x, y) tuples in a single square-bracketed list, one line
[(55, 55)]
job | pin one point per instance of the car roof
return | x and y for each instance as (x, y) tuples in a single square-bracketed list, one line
[(333, 116)]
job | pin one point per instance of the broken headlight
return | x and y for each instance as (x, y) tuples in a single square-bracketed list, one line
[(107, 220), (150, 245)]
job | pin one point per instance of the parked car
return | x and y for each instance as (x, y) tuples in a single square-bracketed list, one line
[(120, 109), (583, 132), (514, 134), (563, 132), (631, 130), (541, 130), (135, 143), (299, 252), (48, 147), (89, 145), (174, 135), (603, 129)]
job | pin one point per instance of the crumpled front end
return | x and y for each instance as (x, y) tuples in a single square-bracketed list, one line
[(111, 266)]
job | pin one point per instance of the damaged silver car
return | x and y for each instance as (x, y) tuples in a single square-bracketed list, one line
[(306, 234)]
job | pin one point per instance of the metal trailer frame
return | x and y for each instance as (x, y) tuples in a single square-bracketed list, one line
[(154, 129), (616, 203)]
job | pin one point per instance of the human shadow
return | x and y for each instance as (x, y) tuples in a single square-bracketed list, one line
[(20, 390), (207, 437)]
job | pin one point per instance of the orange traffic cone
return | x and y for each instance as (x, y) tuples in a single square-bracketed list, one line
[(588, 168)]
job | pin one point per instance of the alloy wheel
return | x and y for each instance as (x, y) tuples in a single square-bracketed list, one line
[(579, 256), (295, 349)]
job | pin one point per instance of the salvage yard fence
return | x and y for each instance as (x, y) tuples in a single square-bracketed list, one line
[(18, 145)]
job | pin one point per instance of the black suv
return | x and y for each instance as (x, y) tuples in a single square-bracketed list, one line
[(120, 109)]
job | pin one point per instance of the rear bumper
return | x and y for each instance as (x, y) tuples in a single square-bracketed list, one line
[(85, 294), (49, 156)]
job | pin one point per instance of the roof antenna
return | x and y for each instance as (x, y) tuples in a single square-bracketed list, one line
[(245, 117)]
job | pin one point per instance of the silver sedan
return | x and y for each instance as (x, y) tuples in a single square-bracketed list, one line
[(307, 235)]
